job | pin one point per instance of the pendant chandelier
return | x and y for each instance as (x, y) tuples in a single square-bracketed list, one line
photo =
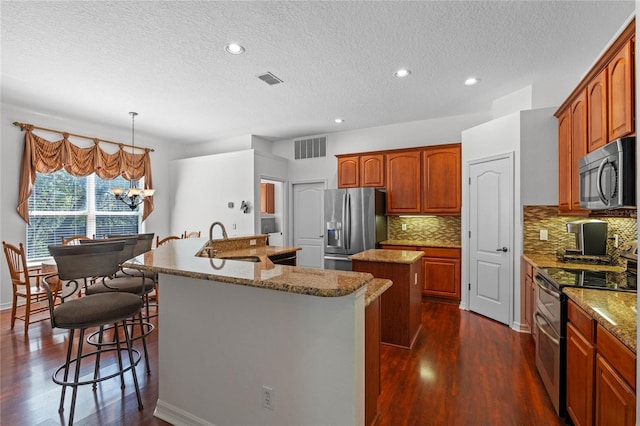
[(132, 196)]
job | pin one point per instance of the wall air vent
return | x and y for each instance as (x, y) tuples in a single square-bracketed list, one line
[(269, 78), (311, 148)]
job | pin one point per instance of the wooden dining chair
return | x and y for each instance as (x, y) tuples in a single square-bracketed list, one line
[(26, 285), (193, 234), (74, 240), (164, 240)]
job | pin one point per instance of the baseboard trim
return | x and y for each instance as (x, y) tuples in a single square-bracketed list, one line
[(176, 416)]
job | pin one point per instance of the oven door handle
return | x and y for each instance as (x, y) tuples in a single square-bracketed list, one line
[(539, 316), (546, 290)]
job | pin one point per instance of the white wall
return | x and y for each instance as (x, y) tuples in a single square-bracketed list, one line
[(532, 137), (403, 135), (202, 187), (13, 229)]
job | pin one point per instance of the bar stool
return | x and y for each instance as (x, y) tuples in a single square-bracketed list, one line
[(75, 265), (138, 285)]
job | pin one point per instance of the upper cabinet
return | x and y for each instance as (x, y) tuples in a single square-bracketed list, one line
[(441, 180), (267, 198), (403, 181), (621, 93), (361, 171), (349, 172), (423, 180), (599, 110), (372, 170)]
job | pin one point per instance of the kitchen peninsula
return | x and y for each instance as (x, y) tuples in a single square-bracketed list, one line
[(230, 331)]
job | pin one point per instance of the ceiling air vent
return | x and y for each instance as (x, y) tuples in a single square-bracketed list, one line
[(311, 148), (269, 78)]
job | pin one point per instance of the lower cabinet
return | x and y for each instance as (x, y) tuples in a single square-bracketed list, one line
[(528, 291), (600, 374), (440, 270)]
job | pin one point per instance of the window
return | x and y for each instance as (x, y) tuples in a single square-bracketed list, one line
[(62, 205)]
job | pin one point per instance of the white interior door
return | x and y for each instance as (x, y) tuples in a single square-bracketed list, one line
[(491, 237), (307, 221)]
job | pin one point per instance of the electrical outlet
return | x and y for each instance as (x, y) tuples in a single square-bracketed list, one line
[(268, 398), (233, 226), (252, 242), (544, 235), (404, 226), (616, 240)]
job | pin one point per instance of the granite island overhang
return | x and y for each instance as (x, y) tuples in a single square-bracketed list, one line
[(228, 329)]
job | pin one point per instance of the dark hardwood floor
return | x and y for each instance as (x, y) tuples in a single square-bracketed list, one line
[(463, 370)]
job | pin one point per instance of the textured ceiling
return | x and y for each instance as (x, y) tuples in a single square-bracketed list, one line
[(96, 61)]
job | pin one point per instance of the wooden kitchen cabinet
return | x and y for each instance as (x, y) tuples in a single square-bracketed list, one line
[(372, 170), (578, 145), (441, 273), (598, 136), (621, 93), (441, 180), (403, 182), (400, 305), (528, 287), (564, 161), (267, 198), (367, 170), (581, 356), (349, 172), (601, 373)]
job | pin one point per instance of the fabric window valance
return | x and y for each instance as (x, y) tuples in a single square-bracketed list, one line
[(43, 156)]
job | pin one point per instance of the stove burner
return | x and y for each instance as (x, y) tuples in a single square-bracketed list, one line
[(620, 281)]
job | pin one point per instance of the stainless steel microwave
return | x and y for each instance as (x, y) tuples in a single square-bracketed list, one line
[(608, 176)]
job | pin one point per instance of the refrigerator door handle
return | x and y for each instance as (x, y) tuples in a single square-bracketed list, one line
[(347, 222)]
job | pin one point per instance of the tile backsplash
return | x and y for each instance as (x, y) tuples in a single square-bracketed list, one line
[(537, 218), (432, 228)]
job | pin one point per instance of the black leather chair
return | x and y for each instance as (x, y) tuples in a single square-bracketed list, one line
[(76, 265)]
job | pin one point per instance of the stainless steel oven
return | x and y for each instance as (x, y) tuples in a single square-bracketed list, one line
[(549, 338)]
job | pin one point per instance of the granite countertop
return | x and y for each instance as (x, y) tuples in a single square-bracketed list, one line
[(178, 257), (616, 311), (387, 256), (422, 243), (551, 261), (375, 288)]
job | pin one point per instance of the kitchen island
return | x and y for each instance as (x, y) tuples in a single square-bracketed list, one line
[(231, 332)]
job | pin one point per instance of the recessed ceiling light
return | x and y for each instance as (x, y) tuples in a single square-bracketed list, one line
[(339, 120), (402, 73), (471, 81), (234, 49)]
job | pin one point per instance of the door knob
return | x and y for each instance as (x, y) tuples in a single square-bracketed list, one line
[(504, 249)]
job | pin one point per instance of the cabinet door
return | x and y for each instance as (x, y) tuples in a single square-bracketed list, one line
[(615, 400), (578, 145), (564, 161), (597, 112), (441, 275), (267, 203), (621, 87), (372, 170), (349, 172), (441, 177), (403, 182), (580, 377)]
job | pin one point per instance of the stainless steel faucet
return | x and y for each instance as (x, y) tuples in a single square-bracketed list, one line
[(224, 231)]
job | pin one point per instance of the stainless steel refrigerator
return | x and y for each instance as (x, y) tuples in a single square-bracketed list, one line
[(354, 221)]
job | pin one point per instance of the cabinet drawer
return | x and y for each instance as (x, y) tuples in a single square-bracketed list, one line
[(581, 321), (618, 355), (451, 253), (394, 247)]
